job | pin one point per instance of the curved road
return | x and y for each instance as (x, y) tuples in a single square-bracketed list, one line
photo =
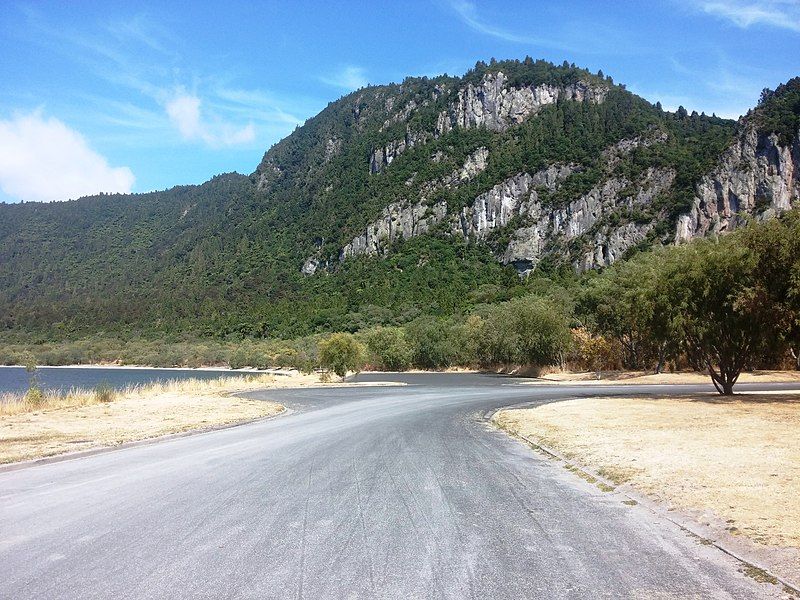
[(369, 492)]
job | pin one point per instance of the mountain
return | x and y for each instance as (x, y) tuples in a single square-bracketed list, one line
[(424, 197)]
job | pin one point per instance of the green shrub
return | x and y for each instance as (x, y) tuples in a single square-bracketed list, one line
[(389, 348), (340, 353)]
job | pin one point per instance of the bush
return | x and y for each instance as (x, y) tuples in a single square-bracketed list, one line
[(430, 343), (528, 331), (340, 353), (389, 348)]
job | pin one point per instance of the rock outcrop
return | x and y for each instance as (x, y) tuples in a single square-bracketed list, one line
[(396, 222), (496, 106), (550, 230), (383, 156), (755, 175), (491, 104), (403, 221)]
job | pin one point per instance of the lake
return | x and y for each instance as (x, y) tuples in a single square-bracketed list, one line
[(15, 379)]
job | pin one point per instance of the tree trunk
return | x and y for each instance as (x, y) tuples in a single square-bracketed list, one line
[(723, 381), (662, 353), (796, 356)]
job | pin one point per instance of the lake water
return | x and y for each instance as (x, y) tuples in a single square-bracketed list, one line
[(15, 379)]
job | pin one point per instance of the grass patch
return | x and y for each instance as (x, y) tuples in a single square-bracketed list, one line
[(759, 574)]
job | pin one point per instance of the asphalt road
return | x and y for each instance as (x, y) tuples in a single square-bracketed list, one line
[(392, 492)]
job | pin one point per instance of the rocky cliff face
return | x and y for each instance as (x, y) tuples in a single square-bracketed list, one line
[(492, 104), (537, 229), (587, 211), (495, 105), (756, 176)]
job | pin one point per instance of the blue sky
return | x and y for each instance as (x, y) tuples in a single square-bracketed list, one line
[(136, 96)]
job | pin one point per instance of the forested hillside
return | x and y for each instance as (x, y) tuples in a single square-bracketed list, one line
[(429, 197)]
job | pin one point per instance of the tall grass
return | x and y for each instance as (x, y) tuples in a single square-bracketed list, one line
[(17, 403)]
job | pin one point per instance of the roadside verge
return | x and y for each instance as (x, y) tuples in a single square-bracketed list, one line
[(725, 471)]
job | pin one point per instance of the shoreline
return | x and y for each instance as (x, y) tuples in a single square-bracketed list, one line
[(273, 371)]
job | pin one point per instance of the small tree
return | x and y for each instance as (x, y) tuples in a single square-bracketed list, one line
[(340, 353), (725, 318), (34, 394), (430, 341)]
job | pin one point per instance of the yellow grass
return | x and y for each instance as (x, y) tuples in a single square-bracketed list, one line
[(78, 420), (644, 378), (739, 459)]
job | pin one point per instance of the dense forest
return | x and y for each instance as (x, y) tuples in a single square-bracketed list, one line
[(220, 262)]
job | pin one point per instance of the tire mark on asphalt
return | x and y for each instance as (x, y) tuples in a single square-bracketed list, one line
[(303, 538)]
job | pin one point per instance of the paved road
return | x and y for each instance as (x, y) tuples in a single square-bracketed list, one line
[(400, 492)]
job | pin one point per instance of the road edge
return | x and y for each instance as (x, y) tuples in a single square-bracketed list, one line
[(688, 525), (46, 460)]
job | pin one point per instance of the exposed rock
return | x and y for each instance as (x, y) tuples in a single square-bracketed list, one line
[(495, 106), (510, 198), (492, 105), (267, 173), (403, 221), (383, 156), (549, 230), (611, 244), (474, 164), (396, 222), (332, 147), (310, 266), (755, 175)]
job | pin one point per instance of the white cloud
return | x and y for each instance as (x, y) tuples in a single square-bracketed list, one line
[(185, 114), (743, 13), (44, 160), (348, 78)]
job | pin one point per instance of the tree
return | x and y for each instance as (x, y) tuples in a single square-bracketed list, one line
[(629, 303), (725, 319), (775, 245), (531, 330), (389, 347), (340, 353), (430, 342)]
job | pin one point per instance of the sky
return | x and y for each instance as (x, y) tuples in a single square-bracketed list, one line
[(137, 96)]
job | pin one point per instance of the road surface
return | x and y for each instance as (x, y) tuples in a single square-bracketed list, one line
[(369, 492)]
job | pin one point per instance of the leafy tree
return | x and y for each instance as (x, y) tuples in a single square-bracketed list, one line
[(531, 330), (389, 346), (340, 353), (725, 318), (629, 303), (775, 245), (430, 341)]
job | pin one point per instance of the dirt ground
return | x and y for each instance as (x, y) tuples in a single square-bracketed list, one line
[(151, 411), (642, 378)]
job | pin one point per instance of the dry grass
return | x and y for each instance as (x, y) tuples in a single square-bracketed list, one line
[(80, 419), (739, 459), (643, 378)]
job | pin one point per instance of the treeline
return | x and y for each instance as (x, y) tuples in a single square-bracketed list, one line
[(720, 305)]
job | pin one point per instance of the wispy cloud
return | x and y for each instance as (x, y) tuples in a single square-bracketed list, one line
[(43, 159), (469, 15), (349, 77), (184, 112), (565, 33), (142, 55), (784, 14)]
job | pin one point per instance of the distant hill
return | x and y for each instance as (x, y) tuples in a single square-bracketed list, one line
[(424, 197)]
